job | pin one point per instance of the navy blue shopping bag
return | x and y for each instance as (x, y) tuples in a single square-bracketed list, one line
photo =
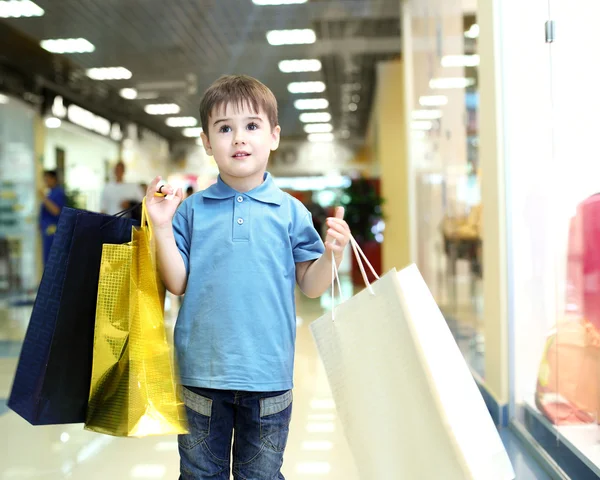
[(52, 381)]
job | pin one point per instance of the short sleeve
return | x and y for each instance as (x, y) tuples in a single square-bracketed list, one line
[(58, 197), (306, 242), (183, 236)]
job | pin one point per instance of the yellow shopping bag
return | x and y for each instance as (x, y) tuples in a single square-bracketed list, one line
[(133, 390)]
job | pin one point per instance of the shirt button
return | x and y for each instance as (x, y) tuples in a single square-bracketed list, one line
[(240, 221), (240, 199)]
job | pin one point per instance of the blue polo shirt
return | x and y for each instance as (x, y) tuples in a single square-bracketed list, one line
[(236, 329)]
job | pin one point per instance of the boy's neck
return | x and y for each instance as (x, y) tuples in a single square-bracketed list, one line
[(244, 184)]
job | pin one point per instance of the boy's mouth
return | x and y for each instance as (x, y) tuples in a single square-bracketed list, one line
[(241, 154)]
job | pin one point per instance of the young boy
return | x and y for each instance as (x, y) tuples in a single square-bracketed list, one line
[(237, 249)]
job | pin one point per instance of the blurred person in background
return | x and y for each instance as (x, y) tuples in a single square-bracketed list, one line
[(119, 195), (53, 199)]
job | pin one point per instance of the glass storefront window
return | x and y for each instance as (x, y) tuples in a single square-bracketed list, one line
[(557, 326), (18, 201)]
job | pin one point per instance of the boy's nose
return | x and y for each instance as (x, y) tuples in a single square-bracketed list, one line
[(239, 139)]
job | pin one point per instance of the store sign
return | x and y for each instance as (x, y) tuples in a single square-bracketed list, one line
[(86, 119)]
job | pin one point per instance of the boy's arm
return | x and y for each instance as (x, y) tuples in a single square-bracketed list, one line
[(161, 209), (170, 262), (314, 277)]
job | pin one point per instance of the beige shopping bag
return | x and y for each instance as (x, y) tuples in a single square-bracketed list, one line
[(408, 404)]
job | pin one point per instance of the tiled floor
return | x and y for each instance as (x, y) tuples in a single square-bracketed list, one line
[(317, 448)]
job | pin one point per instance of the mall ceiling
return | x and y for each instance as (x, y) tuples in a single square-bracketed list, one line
[(176, 48)]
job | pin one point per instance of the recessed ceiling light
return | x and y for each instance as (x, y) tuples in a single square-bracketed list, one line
[(460, 61), (109, 73), (67, 45), (181, 122), (162, 109), (291, 66), (129, 93), (426, 114), (318, 128), (320, 137), (291, 37), (353, 107), (278, 2), (306, 87), (23, 8), (192, 132), (447, 83), (316, 117), (433, 100), (147, 95), (53, 122), (311, 104)]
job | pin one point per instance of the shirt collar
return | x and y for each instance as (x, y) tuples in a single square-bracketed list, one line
[(266, 192)]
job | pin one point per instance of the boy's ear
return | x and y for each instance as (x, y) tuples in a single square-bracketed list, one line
[(275, 137), (206, 143)]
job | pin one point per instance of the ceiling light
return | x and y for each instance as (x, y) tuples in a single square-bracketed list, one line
[(181, 122), (147, 95), (18, 9), (426, 114), (316, 117), (162, 109), (291, 37), (433, 100), (356, 98), (421, 125), (320, 137), (192, 132), (444, 83), (3, 99), (311, 104), (460, 61), (306, 87), (53, 122), (353, 107), (129, 93), (67, 45), (473, 32), (291, 66), (278, 2), (318, 128), (109, 73)]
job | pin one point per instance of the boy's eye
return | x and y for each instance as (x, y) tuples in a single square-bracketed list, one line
[(225, 129), (252, 126)]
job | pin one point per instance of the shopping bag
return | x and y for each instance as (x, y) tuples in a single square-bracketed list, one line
[(402, 388), (51, 383), (134, 388), (568, 391)]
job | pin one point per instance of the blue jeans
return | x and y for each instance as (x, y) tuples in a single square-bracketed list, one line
[(258, 422)]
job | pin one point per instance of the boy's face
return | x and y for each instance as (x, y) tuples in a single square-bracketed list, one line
[(240, 141)]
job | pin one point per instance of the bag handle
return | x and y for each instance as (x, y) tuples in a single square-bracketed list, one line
[(121, 214), (335, 277)]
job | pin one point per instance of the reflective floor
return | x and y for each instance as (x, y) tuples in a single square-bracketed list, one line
[(316, 450)]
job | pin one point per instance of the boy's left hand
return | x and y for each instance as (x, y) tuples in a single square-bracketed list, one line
[(338, 234)]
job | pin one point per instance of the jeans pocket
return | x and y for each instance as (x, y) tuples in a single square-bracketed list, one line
[(275, 417), (199, 410)]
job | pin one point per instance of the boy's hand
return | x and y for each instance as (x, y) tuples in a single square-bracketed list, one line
[(338, 234), (160, 208)]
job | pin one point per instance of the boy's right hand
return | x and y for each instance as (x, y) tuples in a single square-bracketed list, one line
[(162, 208)]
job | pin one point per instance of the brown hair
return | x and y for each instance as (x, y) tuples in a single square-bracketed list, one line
[(240, 91)]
